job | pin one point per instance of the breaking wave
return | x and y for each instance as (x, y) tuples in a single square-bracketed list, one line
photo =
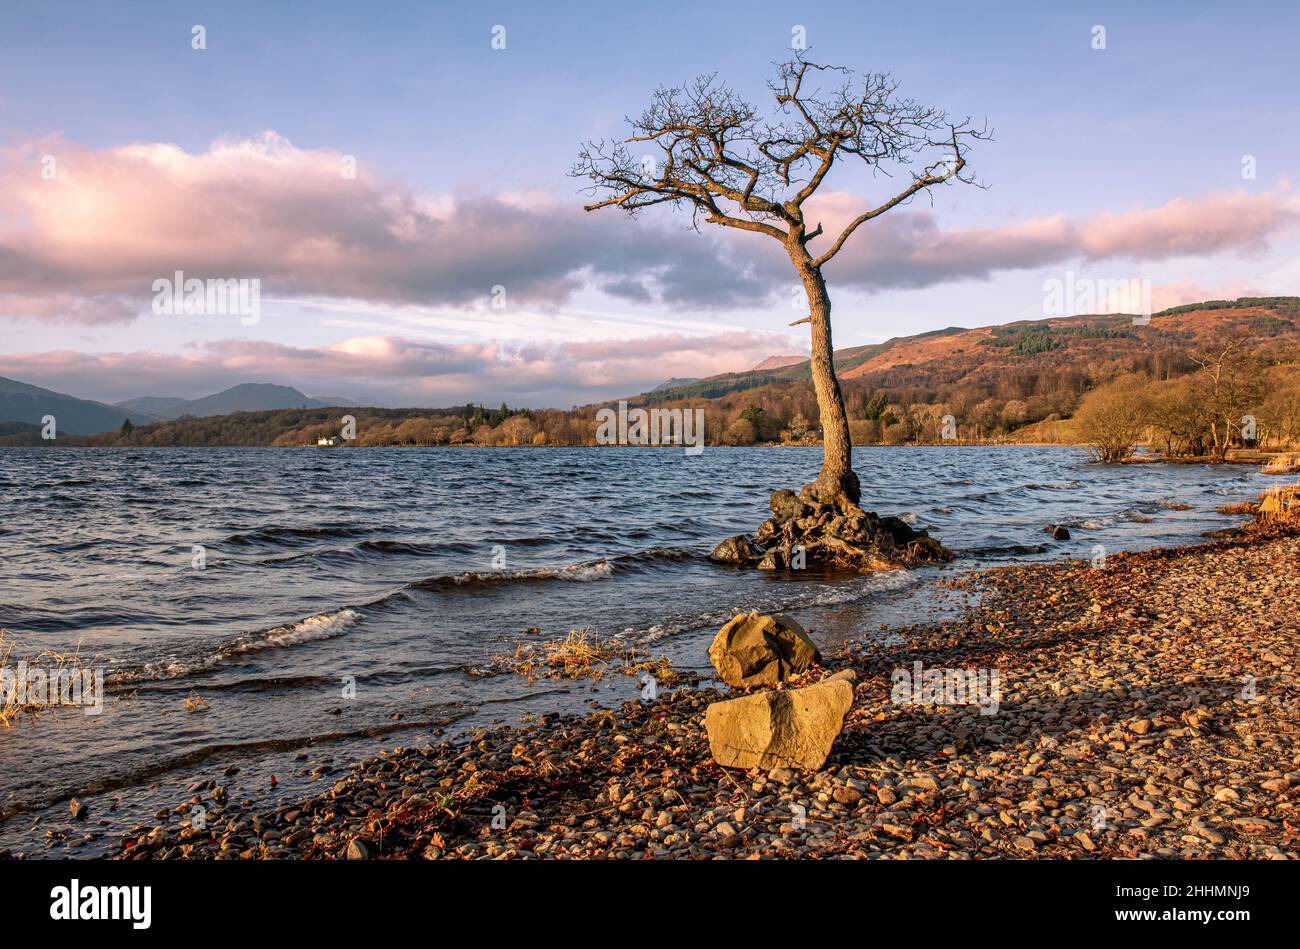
[(311, 629)]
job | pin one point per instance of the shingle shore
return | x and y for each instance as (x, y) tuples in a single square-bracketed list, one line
[(1147, 708)]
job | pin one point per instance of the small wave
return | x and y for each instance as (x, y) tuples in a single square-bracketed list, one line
[(579, 572), (404, 547), (372, 549), (292, 535), (584, 572), (821, 596), (1002, 550), (320, 626), (1138, 513)]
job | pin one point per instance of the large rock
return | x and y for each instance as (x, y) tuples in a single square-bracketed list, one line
[(738, 549), (781, 728), (786, 505), (753, 649)]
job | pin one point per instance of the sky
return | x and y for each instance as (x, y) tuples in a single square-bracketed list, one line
[(398, 185)]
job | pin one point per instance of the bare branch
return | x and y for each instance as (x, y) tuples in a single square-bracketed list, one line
[(710, 151)]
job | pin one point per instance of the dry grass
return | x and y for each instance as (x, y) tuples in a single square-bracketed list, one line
[(582, 654), (1240, 507), (1280, 507), (53, 663), (1283, 464)]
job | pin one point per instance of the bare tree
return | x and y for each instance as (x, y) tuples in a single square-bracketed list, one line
[(1111, 418), (712, 152), (1230, 386)]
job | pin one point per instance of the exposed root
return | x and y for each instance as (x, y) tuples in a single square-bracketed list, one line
[(814, 528)]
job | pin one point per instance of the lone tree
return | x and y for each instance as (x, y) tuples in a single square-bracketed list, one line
[(710, 151)]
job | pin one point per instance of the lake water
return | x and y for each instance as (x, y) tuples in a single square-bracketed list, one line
[(263, 581)]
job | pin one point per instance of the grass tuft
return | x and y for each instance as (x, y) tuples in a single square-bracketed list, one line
[(582, 654)]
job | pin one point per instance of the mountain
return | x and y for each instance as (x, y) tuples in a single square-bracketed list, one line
[(159, 405), (246, 397), (779, 362), (335, 400), (249, 397), (673, 384), (28, 404), (987, 354)]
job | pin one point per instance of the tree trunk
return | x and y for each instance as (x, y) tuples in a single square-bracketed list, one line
[(836, 479)]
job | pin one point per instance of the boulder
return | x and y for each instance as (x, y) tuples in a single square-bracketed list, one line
[(738, 549), (1058, 532), (781, 728), (786, 505), (753, 649)]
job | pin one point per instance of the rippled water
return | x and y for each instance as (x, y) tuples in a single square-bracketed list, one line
[(408, 570)]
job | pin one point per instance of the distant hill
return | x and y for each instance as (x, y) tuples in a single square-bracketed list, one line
[(160, 406), (334, 400), (29, 404), (249, 397), (246, 397), (956, 354), (673, 384), (779, 362)]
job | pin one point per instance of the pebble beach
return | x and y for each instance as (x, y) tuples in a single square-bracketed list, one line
[(1147, 708)]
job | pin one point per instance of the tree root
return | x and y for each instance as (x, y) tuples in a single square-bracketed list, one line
[(822, 527)]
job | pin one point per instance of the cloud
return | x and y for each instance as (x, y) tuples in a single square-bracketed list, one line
[(110, 222), (398, 371), (1164, 296), (909, 249), (1181, 228), (85, 245)]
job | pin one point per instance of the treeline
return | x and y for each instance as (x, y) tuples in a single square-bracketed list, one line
[(1236, 397), (1186, 404), (1184, 388)]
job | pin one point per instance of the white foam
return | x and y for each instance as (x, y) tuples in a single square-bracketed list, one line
[(320, 626)]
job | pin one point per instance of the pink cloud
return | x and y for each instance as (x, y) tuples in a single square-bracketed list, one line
[(907, 248), (1167, 295), (1180, 228), (86, 244), (109, 222)]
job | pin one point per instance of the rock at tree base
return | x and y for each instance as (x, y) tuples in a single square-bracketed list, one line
[(783, 728), (753, 649), (806, 531), (738, 549)]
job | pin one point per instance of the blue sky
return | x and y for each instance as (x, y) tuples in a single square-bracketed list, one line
[(1165, 113)]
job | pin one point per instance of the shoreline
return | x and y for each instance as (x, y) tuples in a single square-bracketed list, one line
[(1148, 709)]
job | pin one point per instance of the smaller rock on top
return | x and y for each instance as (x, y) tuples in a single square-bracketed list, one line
[(755, 649)]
